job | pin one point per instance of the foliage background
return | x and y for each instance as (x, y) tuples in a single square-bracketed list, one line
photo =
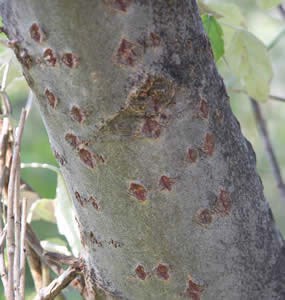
[(265, 25)]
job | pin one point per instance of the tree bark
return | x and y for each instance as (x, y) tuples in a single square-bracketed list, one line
[(168, 202)]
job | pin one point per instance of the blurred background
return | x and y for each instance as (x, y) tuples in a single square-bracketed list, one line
[(35, 148)]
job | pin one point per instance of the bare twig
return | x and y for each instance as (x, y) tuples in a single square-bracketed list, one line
[(17, 226), (268, 146), (281, 10), (273, 97), (3, 150), (10, 209), (277, 98), (35, 266), (58, 284), (3, 271), (23, 249), (3, 236)]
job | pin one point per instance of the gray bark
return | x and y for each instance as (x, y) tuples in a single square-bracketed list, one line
[(164, 185)]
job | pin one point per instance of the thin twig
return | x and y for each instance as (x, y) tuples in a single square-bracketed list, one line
[(58, 284), (277, 98), (10, 210), (273, 97), (276, 40), (268, 147), (3, 271), (281, 10), (17, 226), (3, 236), (35, 266), (23, 249), (3, 150)]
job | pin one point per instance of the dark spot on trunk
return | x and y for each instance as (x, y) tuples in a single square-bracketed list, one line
[(162, 271), (77, 114), (209, 144), (193, 154), (140, 272), (37, 33), (166, 182), (52, 99), (71, 60), (49, 57), (138, 191), (87, 158), (128, 53), (72, 140)]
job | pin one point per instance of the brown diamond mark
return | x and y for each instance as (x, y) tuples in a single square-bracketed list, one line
[(151, 128), (162, 271), (37, 33), (87, 158), (77, 114), (127, 54), (166, 183), (193, 155), (203, 217), (203, 109), (194, 289), (72, 140), (120, 5), (49, 57), (60, 158), (94, 202), (138, 191), (223, 204), (71, 60), (209, 144), (140, 272), (52, 99)]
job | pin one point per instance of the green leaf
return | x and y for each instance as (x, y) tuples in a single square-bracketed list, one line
[(247, 56), (215, 33), (267, 4), (42, 209), (231, 19), (65, 216)]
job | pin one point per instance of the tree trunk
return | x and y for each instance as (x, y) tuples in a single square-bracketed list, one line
[(168, 202)]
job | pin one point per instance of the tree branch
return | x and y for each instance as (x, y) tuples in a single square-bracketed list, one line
[(23, 249), (268, 147), (281, 10), (10, 211), (58, 284)]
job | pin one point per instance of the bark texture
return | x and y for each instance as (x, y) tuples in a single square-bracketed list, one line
[(168, 201)]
